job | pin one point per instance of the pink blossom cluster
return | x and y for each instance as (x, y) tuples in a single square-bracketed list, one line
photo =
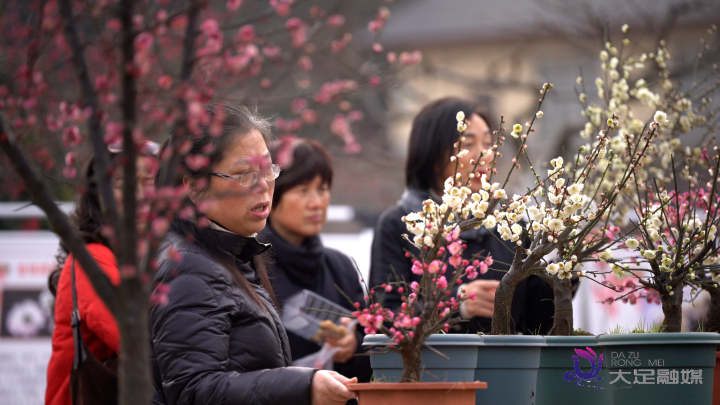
[(378, 23), (329, 90), (436, 286), (636, 292), (297, 30), (340, 127), (372, 318)]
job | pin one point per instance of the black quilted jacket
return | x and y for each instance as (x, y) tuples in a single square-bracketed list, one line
[(212, 344)]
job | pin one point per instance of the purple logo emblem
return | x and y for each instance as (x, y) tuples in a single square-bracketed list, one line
[(580, 378)]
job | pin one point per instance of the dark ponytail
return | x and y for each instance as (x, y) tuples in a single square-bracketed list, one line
[(87, 218)]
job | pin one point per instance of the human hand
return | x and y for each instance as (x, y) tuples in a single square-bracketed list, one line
[(484, 303), (328, 388), (347, 344)]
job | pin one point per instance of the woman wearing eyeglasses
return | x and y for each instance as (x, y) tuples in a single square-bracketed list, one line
[(219, 338), (99, 328)]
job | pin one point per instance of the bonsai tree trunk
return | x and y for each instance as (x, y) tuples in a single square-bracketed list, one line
[(412, 357), (712, 319), (672, 309), (502, 316), (563, 317), (519, 271)]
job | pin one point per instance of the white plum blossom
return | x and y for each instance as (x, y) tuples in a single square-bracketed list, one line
[(552, 269), (565, 269), (617, 271), (632, 243), (555, 225), (575, 189), (661, 118), (489, 222), (606, 254), (499, 193), (647, 97)]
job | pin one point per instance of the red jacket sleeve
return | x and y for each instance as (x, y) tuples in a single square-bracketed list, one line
[(93, 311)]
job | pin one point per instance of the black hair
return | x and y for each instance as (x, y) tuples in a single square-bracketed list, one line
[(307, 160), (434, 131), (237, 121), (87, 219)]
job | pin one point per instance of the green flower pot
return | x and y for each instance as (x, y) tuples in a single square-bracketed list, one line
[(660, 368), (509, 365), (558, 381), (461, 350)]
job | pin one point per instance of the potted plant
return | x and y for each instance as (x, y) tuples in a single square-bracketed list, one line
[(503, 359), (678, 246), (651, 168)]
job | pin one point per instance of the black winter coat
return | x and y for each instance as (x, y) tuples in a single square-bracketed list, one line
[(212, 343), (532, 307), (319, 269)]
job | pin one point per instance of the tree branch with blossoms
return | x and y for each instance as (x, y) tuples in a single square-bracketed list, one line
[(135, 73)]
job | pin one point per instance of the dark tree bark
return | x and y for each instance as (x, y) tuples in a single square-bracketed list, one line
[(712, 319), (134, 372), (412, 358), (502, 316), (672, 309), (89, 98), (563, 318)]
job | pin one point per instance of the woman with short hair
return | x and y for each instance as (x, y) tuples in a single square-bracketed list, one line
[(301, 262)]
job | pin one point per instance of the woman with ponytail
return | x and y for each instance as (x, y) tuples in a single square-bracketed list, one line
[(218, 338)]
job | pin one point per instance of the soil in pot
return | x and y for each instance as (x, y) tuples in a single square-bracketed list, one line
[(509, 364), (457, 393), (660, 368), (561, 381)]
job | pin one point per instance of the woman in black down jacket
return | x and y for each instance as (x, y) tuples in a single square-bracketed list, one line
[(300, 203), (434, 131), (218, 339)]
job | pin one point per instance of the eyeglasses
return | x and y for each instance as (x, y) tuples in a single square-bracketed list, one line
[(147, 148), (249, 178)]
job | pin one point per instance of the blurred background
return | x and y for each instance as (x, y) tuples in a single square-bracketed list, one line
[(497, 54)]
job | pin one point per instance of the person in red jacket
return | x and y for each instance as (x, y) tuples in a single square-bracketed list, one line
[(99, 328)]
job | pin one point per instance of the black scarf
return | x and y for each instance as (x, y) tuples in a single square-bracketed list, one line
[(306, 259)]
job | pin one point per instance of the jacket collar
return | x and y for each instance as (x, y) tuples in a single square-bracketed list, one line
[(242, 247)]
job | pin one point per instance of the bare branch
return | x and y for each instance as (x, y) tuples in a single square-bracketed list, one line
[(89, 98), (127, 249)]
